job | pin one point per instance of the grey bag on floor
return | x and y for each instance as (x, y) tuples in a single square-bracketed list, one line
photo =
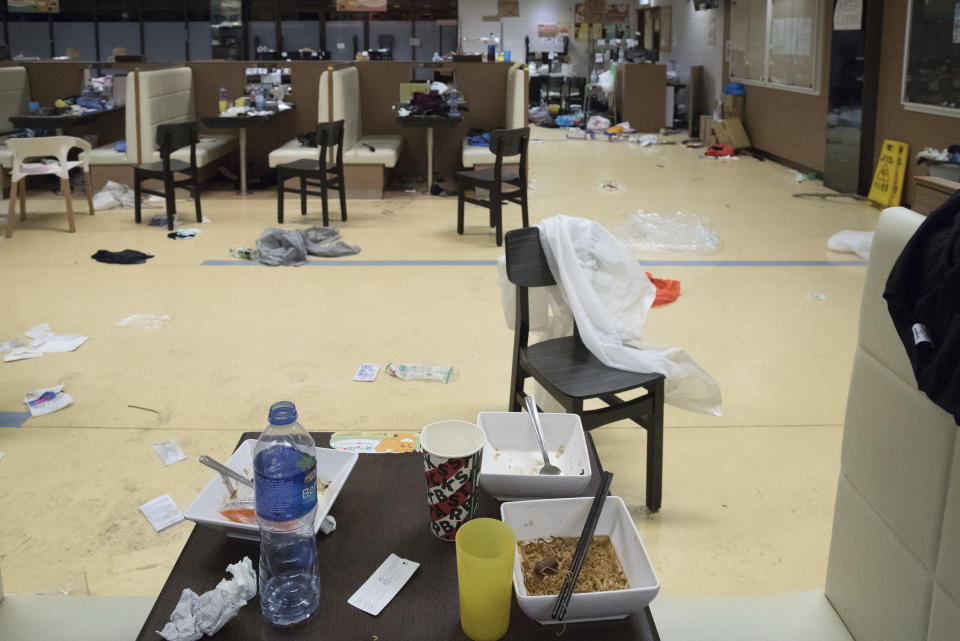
[(291, 246)]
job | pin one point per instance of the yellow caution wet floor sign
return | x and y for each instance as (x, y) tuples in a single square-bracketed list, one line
[(887, 185)]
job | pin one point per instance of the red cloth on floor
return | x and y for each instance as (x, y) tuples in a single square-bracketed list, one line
[(667, 290)]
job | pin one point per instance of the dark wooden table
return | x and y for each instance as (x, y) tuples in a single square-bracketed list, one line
[(381, 509), (242, 123), (429, 122), (59, 122)]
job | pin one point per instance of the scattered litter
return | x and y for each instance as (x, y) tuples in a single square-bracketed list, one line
[(245, 253), (125, 257), (367, 372), (387, 212), (931, 153), (813, 175), (169, 452), (291, 246), (719, 151), (693, 143), (145, 321), (612, 185), (47, 400), (532, 184), (383, 585), (43, 341), (160, 220), (13, 343), (162, 512), (328, 525), (577, 134), (816, 296), (667, 290), (115, 195), (410, 372), (195, 615), (856, 242), (1, 455), (681, 232), (146, 409), (598, 122), (645, 140), (189, 232)]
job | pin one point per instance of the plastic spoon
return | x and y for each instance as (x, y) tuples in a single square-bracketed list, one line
[(547, 469)]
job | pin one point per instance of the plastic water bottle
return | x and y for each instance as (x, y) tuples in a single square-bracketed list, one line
[(223, 98), (285, 490)]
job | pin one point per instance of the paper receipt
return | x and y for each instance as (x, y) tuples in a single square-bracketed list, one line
[(377, 591)]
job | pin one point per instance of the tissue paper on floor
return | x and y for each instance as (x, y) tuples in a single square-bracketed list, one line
[(169, 452), (195, 615), (162, 512)]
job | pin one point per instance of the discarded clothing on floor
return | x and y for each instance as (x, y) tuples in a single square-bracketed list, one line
[(922, 296), (667, 290), (115, 195), (601, 285), (125, 257), (196, 615), (291, 246)]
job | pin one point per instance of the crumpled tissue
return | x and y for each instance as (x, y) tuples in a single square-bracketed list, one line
[(195, 615)]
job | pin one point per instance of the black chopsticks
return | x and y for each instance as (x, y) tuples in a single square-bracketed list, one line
[(580, 554)]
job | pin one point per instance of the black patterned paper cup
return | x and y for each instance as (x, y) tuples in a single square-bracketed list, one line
[(451, 463)]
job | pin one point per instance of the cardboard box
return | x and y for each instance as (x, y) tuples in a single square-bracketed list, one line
[(732, 106), (728, 131)]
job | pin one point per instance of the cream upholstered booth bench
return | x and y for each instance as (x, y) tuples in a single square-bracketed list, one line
[(156, 98), (14, 100), (514, 118), (894, 567), (366, 158)]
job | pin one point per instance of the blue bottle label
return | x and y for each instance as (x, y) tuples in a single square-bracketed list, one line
[(290, 495)]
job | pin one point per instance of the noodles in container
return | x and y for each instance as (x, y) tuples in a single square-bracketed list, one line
[(545, 562)]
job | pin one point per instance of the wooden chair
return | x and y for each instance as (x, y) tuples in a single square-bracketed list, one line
[(317, 173), (567, 370), (170, 137), (503, 142), (36, 149)]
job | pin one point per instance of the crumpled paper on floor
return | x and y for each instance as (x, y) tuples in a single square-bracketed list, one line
[(42, 342), (195, 615), (47, 400)]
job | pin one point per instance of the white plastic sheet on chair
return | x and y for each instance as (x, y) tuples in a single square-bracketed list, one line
[(603, 287)]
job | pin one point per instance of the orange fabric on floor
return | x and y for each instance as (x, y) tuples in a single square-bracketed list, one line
[(667, 290)]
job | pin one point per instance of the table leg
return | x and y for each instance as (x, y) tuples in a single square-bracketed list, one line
[(243, 161), (429, 158)]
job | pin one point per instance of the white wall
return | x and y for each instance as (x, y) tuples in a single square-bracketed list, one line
[(692, 34)]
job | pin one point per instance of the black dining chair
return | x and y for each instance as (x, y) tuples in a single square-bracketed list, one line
[(170, 138), (571, 374), (503, 185), (317, 173)]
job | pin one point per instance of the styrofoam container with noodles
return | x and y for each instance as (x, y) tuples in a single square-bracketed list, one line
[(547, 518)]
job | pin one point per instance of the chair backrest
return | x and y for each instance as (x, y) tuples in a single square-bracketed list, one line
[(894, 565), (173, 136), (330, 134), (345, 85), (166, 96), (510, 142), (26, 149), (526, 263), (516, 115), (14, 95)]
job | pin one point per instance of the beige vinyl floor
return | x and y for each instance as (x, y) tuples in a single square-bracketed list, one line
[(747, 499)]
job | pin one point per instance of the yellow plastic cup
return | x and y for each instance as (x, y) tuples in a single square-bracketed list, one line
[(485, 556)]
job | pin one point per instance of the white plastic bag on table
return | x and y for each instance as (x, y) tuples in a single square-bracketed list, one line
[(608, 293)]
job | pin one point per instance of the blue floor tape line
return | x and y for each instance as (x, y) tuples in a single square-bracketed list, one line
[(13, 419), (491, 263)]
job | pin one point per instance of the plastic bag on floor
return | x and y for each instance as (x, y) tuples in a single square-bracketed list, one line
[(855, 242), (680, 232), (115, 195)]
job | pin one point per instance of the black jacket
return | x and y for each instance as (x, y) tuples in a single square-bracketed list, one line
[(923, 296)]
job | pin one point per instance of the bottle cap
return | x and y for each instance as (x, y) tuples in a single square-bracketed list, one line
[(282, 413)]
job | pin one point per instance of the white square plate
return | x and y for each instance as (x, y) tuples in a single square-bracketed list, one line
[(333, 467)]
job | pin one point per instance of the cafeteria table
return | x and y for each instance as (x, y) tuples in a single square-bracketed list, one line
[(241, 124), (59, 122), (382, 509)]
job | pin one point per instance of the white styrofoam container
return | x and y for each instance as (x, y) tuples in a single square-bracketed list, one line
[(512, 459), (333, 467), (565, 517)]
